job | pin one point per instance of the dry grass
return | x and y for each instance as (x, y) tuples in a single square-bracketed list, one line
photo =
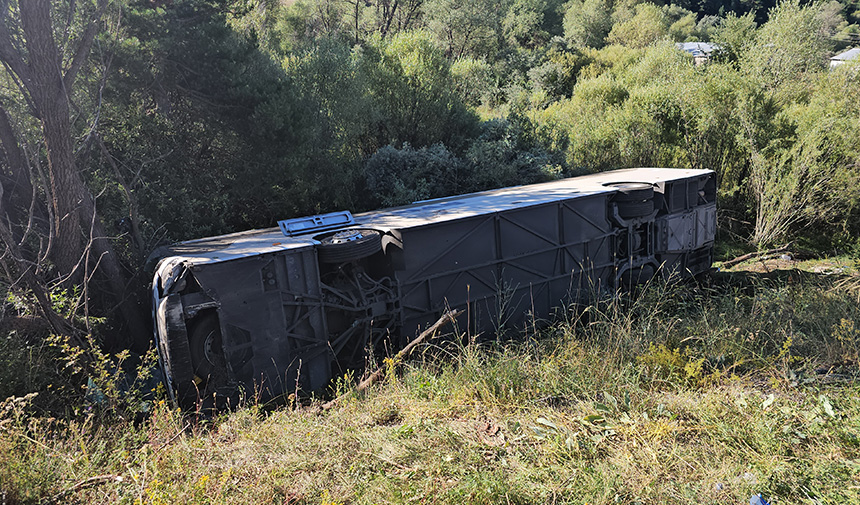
[(685, 395)]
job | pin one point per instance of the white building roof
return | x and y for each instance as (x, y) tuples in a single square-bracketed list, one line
[(851, 54), (698, 49)]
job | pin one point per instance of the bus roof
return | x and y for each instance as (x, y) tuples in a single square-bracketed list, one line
[(255, 242)]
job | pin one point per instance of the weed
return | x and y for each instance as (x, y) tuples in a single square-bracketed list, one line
[(679, 394), (845, 343)]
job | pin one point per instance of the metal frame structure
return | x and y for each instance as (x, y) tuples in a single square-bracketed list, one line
[(282, 310)]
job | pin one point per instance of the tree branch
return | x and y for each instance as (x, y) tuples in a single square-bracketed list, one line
[(90, 482), (447, 317), (11, 57), (33, 282), (84, 46), (756, 254), (46, 251)]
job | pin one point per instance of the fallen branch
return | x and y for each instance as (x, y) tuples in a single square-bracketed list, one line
[(427, 334), (850, 284), (174, 437), (739, 259), (90, 482)]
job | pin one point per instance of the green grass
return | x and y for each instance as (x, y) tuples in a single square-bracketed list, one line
[(685, 394)]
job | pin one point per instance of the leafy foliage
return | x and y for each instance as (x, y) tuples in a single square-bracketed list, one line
[(500, 156), (301, 119), (401, 176), (648, 25), (588, 22)]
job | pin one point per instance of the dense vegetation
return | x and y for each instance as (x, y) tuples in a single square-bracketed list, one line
[(326, 105), (127, 124)]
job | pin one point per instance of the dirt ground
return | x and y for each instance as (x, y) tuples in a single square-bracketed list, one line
[(839, 266)]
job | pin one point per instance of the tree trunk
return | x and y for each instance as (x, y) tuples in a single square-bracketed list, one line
[(51, 101), (19, 191), (79, 243)]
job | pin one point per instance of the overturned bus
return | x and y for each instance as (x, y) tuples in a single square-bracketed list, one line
[(267, 312)]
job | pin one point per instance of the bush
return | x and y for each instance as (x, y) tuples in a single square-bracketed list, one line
[(401, 176), (501, 157)]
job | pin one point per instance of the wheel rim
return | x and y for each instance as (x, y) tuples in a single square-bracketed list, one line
[(343, 237), (207, 356), (209, 348), (349, 245)]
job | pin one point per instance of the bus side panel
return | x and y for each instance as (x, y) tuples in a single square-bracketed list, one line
[(447, 264), (509, 268), (589, 239), (272, 320)]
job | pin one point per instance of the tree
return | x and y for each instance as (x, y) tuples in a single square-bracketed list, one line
[(46, 71), (395, 16), (402, 176), (648, 25), (734, 35), (194, 106), (682, 23), (588, 22), (473, 80), (809, 177), (792, 42), (523, 23), (504, 155), (415, 90), (467, 28), (301, 22), (558, 74)]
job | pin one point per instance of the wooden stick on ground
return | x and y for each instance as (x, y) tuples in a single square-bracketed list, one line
[(727, 264), (427, 334), (90, 482), (174, 437)]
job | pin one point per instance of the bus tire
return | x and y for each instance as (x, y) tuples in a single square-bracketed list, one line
[(349, 245)]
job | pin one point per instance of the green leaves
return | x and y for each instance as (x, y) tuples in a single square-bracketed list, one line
[(501, 156), (466, 28), (587, 22), (827, 407), (791, 42), (648, 25)]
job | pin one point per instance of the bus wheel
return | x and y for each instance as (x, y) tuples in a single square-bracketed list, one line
[(632, 191), (349, 245), (207, 353)]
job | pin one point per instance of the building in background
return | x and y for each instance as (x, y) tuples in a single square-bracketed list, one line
[(701, 51), (844, 57)]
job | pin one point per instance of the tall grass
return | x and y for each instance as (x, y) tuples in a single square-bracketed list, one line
[(679, 394)]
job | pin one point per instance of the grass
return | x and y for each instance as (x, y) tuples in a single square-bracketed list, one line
[(683, 394)]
